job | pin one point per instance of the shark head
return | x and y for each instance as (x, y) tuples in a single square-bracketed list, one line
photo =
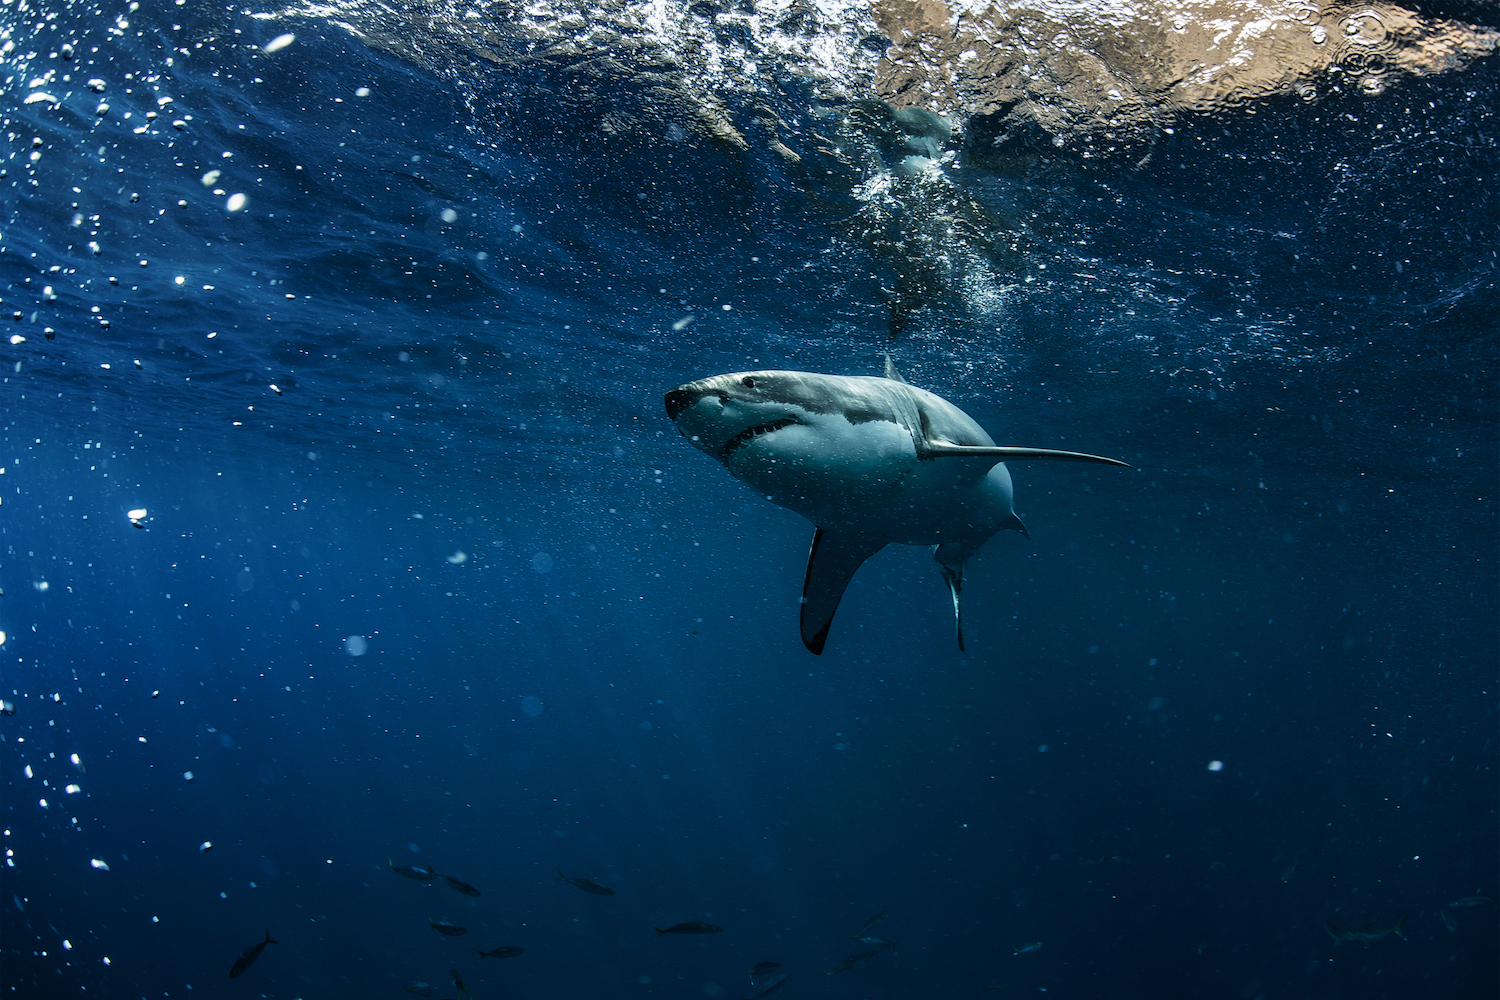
[(726, 413), (813, 443)]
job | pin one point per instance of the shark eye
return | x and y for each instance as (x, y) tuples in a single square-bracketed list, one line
[(748, 382)]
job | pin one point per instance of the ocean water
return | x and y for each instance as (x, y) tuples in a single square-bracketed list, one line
[(342, 524)]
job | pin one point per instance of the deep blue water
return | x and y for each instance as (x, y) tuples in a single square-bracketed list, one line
[(579, 635)]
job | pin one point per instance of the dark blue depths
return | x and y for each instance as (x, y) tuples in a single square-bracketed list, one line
[(579, 644)]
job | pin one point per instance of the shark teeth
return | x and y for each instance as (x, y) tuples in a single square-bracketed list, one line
[(749, 434)]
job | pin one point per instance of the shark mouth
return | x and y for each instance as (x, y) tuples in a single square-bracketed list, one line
[(749, 434)]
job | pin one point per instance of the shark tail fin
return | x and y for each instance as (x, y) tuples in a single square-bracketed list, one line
[(831, 564), (1400, 929), (950, 559), (271, 940), (560, 876)]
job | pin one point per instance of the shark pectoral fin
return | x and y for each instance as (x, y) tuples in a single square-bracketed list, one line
[(830, 566), (938, 449), (950, 559)]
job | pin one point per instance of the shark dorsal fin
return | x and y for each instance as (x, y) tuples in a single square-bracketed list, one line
[(830, 566), (891, 372)]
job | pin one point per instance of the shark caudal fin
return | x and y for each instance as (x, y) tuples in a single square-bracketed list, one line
[(830, 566)]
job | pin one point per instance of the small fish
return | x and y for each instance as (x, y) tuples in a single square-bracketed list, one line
[(1448, 921), (1367, 932), (587, 885), (249, 955), (412, 871), (453, 883), (690, 927), (872, 939), (504, 951), (1022, 949), (1473, 901), (420, 989), (458, 984), (447, 928), (772, 986), (852, 961), (1104, 859), (877, 918), (763, 969)]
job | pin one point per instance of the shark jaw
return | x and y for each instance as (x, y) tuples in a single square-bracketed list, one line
[(749, 434)]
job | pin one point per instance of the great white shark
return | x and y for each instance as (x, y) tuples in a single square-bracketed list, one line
[(869, 461)]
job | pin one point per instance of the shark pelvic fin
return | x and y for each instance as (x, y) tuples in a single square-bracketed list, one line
[(830, 566), (954, 580), (938, 449), (951, 559)]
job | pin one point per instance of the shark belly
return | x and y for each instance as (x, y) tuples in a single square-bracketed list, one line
[(832, 472), (937, 507)]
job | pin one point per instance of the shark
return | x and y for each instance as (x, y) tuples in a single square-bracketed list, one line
[(870, 461)]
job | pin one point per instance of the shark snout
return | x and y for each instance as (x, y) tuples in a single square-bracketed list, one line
[(679, 399), (683, 396)]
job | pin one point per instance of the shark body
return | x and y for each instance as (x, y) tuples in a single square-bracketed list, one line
[(869, 461)]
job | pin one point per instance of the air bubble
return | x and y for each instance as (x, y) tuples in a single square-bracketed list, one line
[(1365, 28)]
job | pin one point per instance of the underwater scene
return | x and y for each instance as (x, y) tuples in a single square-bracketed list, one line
[(675, 499)]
